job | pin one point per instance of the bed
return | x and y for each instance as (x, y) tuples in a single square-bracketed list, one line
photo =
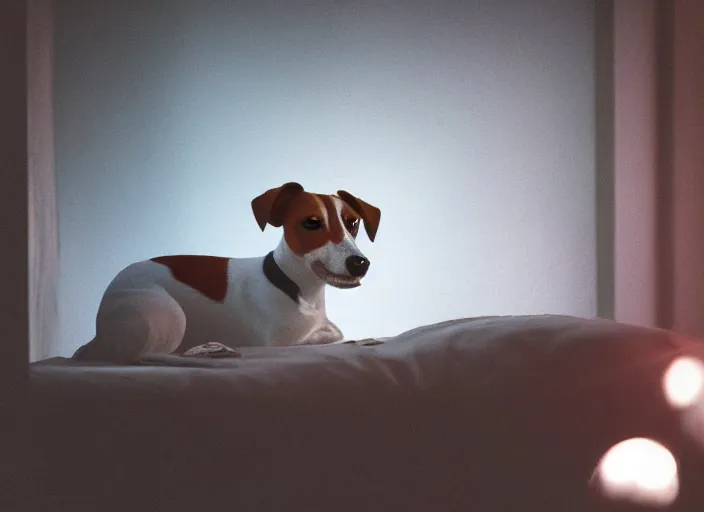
[(477, 414)]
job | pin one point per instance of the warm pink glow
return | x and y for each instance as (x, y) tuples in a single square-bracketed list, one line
[(683, 385), (684, 382), (640, 471)]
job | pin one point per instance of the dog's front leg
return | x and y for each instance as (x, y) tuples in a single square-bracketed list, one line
[(327, 334)]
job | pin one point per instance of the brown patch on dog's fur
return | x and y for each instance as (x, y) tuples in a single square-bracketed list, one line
[(347, 214), (271, 206), (206, 274), (335, 227), (289, 206), (369, 213), (302, 241)]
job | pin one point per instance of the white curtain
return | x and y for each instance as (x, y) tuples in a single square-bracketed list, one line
[(43, 223)]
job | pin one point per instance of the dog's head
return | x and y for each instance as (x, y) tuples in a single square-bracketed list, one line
[(321, 229)]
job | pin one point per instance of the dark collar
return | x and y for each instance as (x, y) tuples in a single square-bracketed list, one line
[(277, 277)]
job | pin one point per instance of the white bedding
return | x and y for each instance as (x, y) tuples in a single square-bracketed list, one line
[(487, 414)]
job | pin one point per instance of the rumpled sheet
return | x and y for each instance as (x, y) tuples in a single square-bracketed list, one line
[(485, 414)]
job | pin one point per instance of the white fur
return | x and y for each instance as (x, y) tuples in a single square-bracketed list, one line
[(146, 313)]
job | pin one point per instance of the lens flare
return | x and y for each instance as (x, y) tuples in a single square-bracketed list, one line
[(684, 382), (641, 471)]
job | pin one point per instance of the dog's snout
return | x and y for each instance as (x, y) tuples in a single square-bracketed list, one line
[(357, 266)]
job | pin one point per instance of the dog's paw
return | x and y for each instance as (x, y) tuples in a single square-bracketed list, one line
[(211, 349), (366, 342)]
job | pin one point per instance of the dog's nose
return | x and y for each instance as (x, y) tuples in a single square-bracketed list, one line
[(357, 266)]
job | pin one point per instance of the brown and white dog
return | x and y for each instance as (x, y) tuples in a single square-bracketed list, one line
[(169, 304)]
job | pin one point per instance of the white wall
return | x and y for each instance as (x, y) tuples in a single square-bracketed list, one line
[(41, 183), (470, 124)]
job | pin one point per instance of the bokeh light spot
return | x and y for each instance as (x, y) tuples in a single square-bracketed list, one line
[(684, 382), (641, 471)]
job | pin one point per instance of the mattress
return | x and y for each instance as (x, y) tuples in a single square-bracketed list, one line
[(477, 414)]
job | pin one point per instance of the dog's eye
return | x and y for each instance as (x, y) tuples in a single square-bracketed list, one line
[(352, 224), (312, 223)]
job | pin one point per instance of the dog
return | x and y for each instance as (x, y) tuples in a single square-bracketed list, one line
[(169, 304)]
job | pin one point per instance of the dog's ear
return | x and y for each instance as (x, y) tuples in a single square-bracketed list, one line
[(371, 215), (271, 206)]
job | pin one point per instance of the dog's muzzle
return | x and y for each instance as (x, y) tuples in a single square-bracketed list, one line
[(356, 266)]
